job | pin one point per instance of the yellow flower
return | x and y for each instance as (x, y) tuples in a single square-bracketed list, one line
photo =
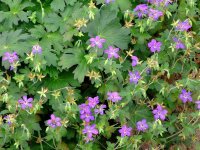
[(80, 23), (40, 77), (92, 4), (43, 92)]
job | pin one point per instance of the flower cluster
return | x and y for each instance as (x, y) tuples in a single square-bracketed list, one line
[(98, 42), (90, 130), (87, 112), (140, 126), (12, 57), (143, 10), (160, 2)]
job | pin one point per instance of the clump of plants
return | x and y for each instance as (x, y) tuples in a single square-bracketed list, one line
[(99, 74)]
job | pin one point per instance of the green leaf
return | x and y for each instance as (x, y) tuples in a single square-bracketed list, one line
[(109, 28), (57, 5), (14, 41), (80, 71), (124, 5), (71, 57), (75, 56), (51, 58), (16, 12), (49, 39), (52, 22), (63, 80), (140, 113)]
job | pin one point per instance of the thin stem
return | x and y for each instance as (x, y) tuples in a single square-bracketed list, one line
[(45, 142), (54, 143), (42, 9), (41, 146)]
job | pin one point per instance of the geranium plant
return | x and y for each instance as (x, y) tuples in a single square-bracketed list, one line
[(99, 74)]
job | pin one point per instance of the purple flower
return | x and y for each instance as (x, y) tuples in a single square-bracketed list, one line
[(10, 57), (179, 44), (54, 121), (84, 108), (142, 125), (114, 96), (183, 26), (135, 60), (154, 14), (141, 10), (109, 1), (148, 71), (9, 119), (92, 102), (25, 102), (159, 113), (198, 104), (134, 77), (100, 110), (85, 113), (87, 117), (36, 49), (112, 52), (160, 2), (185, 96), (97, 41), (154, 45), (90, 131), (125, 131)]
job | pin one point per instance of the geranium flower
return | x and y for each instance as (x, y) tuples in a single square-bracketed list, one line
[(185, 96), (100, 110), (142, 125), (92, 102), (114, 96), (134, 77), (10, 57), (183, 26), (54, 121), (135, 61), (90, 130), (97, 41), (141, 10), (125, 131), (25, 102), (36, 49), (154, 14), (159, 113), (154, 45), (112, 52)]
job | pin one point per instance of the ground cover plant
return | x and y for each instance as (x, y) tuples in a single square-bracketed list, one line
[(99, 74)]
